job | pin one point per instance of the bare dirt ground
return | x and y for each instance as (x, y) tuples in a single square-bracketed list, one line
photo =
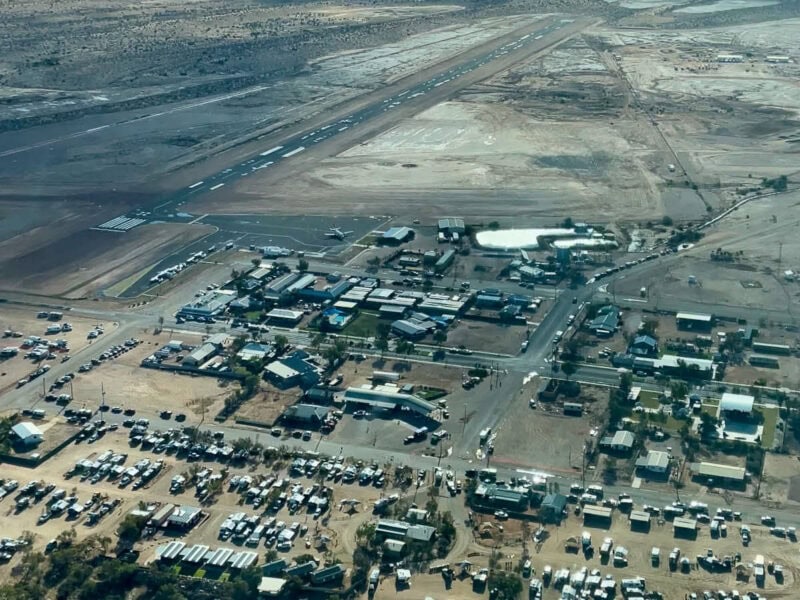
[(487, 337), (122, 382), (526, 432)]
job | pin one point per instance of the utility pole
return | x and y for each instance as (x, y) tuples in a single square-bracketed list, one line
[(102, 395)]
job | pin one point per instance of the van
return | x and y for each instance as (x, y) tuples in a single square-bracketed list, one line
[(38, 413)]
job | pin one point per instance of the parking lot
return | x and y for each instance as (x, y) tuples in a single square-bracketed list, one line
[(38, 345)]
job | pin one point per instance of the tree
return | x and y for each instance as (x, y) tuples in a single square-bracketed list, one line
[(318, 340), (508, 585), (256, 262), (302, 265), (666, 221), (404, 347), (569, 368), (334, 353), (382, 344), (130, 530), (440, 336), (281, 343), (708, 425), (567, 223), (679, 390)]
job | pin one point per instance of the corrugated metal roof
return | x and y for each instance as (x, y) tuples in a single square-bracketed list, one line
[(723, 471)]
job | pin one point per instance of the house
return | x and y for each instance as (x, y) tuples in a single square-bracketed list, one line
[(254, 351), (27, 434), (292, 370), (656, 463), (328, 575), (621, 441), (644, 345), (308, 414), (605, 322), (552, 508)]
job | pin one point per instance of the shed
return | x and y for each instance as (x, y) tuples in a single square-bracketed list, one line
[(694, 321), (271, 586), (640, 520), (552, 508), (596, 515), (621, 441), (683, 527), (27, 433)]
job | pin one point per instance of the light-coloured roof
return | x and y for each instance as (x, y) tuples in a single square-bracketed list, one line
[(737, 402), (597, 511), (656, 459), (623, 438), (385, 399), (271, 586), (26, 430), (685, 316), (639, 516), (684, 523), (723, 471), (281, 370)]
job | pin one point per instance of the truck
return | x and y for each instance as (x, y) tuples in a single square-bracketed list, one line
[(605, 547), (674, 557), (484, 435)]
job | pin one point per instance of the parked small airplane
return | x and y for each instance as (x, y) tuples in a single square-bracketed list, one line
[(336, 232)]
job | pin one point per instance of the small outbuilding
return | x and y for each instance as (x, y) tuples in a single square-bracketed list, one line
[(27, 434)]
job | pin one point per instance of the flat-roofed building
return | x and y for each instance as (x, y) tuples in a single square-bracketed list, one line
[(694, 321), (717, 475)]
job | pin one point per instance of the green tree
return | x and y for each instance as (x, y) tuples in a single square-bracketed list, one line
[(440, 336), (382, 344), (281, 343), (679, 390), (708, 425), (302, 265), (334, 353), (568, 368), (508, 585)]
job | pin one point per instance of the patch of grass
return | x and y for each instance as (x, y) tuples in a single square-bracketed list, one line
[(649, 399), (200, 573), (770, 414), (252, 315), (431, 394), (364, 325), (710, 409), (225, 576)]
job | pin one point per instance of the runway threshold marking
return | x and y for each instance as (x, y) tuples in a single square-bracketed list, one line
[(194, 185), (216, 187)]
